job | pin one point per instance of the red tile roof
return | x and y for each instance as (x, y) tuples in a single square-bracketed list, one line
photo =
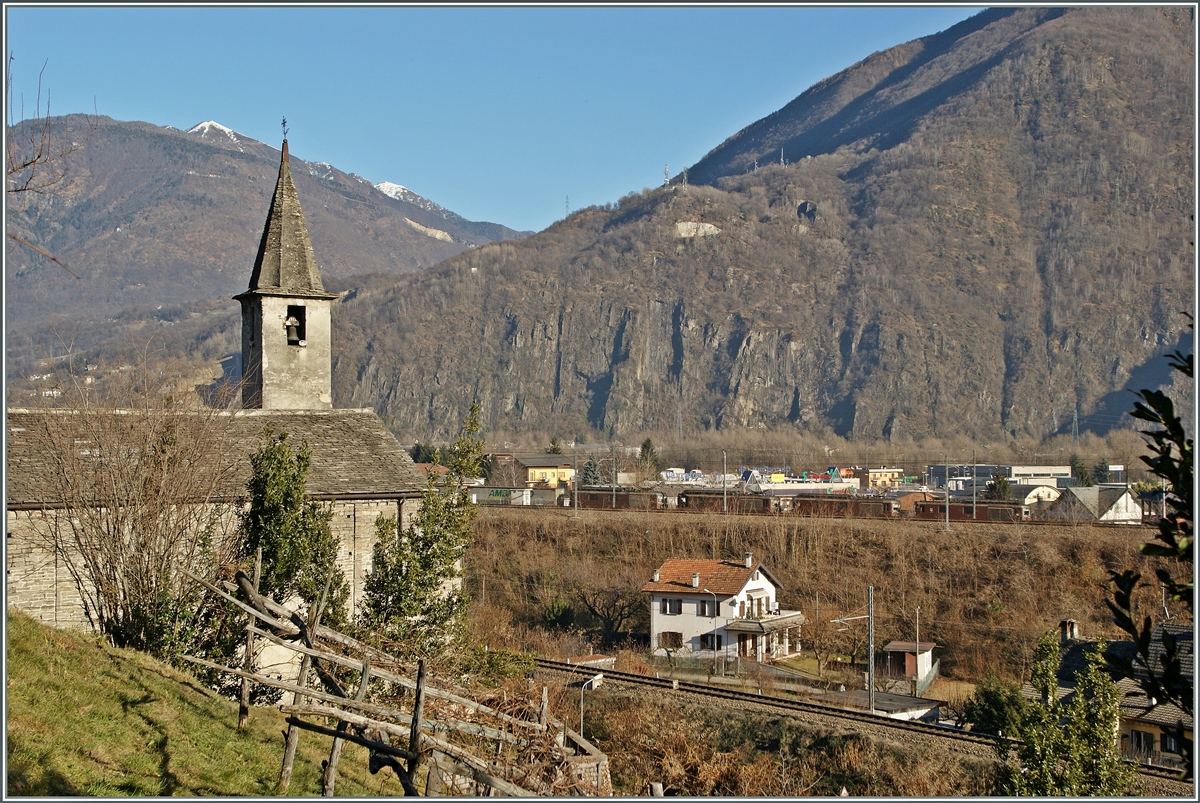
[(722, 577)]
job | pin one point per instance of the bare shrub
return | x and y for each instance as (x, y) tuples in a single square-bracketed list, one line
[(127, 484)]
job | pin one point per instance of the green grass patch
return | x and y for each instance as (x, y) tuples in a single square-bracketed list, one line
[(87, 719)]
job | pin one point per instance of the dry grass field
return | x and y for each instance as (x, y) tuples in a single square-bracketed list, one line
[(985, 591)]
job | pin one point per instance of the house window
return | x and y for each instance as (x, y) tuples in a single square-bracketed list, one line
[(1142, 742), (706, 641), (669, 640), (1170, 742), (670, 607), (709, 608)]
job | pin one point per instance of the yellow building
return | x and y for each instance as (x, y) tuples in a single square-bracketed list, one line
[(546, 470), (879, 477)]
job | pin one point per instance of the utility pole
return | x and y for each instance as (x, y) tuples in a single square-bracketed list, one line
[(575, 483), (871, 648), (724, 493), (946, 465), (973, 478), (613, 447)]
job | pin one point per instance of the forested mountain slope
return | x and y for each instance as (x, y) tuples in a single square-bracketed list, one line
[(151, 216), (1001, 236)]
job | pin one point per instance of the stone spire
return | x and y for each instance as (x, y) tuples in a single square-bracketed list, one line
[(285, 261)]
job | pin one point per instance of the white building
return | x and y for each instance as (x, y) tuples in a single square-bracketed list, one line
[(720, 608), (1110, 504)]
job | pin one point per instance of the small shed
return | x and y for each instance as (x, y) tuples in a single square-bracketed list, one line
[(909, 660)]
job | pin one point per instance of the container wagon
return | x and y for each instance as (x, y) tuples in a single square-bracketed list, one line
[(983, 511), (596, 499), (845, 507), (715, 502)]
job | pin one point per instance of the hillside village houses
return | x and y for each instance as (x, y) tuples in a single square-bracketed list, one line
[(357, 465), (720, 609)]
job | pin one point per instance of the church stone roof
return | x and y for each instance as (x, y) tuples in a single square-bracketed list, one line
[(285, 263), (354, 456)]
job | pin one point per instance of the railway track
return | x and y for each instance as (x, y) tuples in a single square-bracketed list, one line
[(1158, 780), (804, 517)]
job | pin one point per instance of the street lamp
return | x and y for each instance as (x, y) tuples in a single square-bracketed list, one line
[(713, 614), (592, 682)]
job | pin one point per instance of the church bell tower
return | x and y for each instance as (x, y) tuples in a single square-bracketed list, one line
[(286, 343)]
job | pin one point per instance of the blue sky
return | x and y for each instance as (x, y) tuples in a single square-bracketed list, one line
[(496, 113)]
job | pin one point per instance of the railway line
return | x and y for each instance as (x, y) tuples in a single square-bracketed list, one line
[(1156, 780), (1131, 528)]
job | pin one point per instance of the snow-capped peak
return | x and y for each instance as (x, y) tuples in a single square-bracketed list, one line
[(402, 193), (210, 125), (393, 190)]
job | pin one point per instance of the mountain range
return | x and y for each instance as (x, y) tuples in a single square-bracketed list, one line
[(987, 231), (154, 216)]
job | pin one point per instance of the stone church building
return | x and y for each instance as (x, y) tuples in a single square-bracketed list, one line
[(357, 466)]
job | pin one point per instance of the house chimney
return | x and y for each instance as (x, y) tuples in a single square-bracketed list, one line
[(749, 560), (1068, 630), (655, 576), (695, 579)]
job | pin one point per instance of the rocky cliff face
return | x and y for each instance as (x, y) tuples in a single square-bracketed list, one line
[(996, 239)]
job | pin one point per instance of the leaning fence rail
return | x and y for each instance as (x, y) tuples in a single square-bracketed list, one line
[(449, 740)]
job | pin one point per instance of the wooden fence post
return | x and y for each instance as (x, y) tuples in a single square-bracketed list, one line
[(414, 737), (336, 752), (293, 732), (244, 704)]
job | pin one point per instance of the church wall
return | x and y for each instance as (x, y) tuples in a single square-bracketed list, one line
[(39, 584), (36, 581), (251, 355)]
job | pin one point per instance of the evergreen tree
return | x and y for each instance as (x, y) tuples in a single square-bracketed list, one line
[(555, 447), (591, 472), (424, 453), (996, 707), (1080, 471), (648, 458), (410, 595), (1100, 472), (298, 545), (999, 489), (1068, 748)]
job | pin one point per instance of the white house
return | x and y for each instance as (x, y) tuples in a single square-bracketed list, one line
[(720, 609), (1111, 504)]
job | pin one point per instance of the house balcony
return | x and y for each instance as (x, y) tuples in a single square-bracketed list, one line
[(1152, 758), (767, 623)]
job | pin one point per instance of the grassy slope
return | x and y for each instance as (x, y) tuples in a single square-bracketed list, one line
[(87, 719)]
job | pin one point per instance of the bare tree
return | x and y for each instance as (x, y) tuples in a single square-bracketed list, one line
[(127, 481), (37, 151)]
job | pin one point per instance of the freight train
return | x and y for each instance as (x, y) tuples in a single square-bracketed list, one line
[(831, 506), (981, 511)]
